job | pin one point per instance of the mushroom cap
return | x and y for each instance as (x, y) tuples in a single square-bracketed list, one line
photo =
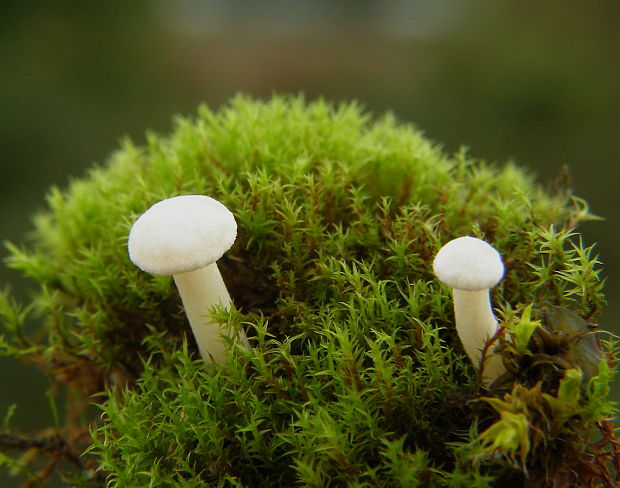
[(468, 263), (181, 234)]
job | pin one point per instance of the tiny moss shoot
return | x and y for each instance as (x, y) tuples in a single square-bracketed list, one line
[(355, 376)]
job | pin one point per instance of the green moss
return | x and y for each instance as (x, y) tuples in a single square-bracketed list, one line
[(356, 377)]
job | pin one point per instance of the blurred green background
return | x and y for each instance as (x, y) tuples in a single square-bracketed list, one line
[(535, 82)]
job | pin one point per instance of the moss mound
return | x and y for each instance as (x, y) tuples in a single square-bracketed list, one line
[(356, 376)]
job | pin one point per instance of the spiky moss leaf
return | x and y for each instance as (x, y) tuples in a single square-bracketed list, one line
[(356, 370), (276, 418)]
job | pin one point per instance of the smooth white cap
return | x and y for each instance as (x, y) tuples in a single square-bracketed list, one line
[(181, 234), (468, 263)]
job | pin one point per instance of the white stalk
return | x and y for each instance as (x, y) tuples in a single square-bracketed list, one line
[(475, 325), (201, 290)]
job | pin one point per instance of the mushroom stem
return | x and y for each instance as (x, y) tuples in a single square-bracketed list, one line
[(475, 325), (200, 291)]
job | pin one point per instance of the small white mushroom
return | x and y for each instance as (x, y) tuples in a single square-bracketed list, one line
[(184, 236), (471, 267)]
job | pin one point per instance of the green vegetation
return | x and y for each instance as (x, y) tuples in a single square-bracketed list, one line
[(356, 376)]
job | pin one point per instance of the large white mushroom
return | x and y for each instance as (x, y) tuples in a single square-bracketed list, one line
[(184, 236), (471, 266)]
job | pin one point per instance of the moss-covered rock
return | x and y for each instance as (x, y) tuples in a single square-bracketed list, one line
[(356, 376)]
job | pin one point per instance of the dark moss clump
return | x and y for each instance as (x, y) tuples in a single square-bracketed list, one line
[(356, 377)]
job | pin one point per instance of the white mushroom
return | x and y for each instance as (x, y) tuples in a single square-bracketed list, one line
[(471, 267), (184, 237)]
